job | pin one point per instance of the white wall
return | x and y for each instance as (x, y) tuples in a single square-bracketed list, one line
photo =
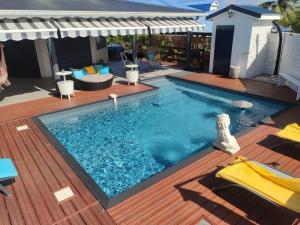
[(43, 57), (251, 49), (258, 49), (271, 54), (255, 47), (265, 62), (98, 54), (290, 57), (241, 38)]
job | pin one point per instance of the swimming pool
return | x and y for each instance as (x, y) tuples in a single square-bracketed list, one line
[(150, 132)]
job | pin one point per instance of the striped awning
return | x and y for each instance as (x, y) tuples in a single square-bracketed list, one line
[(35, 28), (171, 25), (74, 27), (23, 28)]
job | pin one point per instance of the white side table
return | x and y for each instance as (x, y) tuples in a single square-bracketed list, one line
[(66, 87), (133, 74)]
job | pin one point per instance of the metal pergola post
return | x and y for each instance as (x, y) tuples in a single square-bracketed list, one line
[(134, 48), (53, 61), (150, 36), (188, 50)]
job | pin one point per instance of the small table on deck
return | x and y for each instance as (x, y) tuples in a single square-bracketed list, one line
[(66, 87), (133, 74)]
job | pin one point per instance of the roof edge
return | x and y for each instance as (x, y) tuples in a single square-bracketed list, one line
[(14, 14), (238, 9)]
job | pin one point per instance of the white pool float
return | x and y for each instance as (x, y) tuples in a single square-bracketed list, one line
[(242, 104)]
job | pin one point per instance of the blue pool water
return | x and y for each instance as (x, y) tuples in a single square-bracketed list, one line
[(148, 133)]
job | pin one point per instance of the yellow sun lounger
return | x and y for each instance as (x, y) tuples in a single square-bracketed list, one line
[(264, 181), (291, 132)]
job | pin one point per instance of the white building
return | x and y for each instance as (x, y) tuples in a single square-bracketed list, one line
[(42, 37), (239, 38)]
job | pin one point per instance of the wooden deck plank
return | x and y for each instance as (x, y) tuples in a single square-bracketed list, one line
[(245, 85), (171, 207), (253, 153), (24, 202), (11, 205), (79, 203), (194, 186), (4, 218), (168, 208), (39, 203), (181, 198), (191, 168), (238, 199), (64, 172), (152, 197), (250, 204), (269, 215), (165, 183), (39, 174), (51, 184)]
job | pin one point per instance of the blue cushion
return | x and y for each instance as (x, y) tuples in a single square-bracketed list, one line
[(150, 56), (79, 74), (101, 69), (104, 70), (7, 169)]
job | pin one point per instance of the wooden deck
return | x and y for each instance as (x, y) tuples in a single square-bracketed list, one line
[(43, 171), (247, 86), (186, 195), (39, 106), (182, 198)]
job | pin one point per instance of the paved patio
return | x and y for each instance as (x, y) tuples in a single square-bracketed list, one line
[(26, 89)]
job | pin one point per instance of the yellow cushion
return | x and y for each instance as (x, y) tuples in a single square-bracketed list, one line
[(284, 191), (90, 69), (157, 57), (290, 132)]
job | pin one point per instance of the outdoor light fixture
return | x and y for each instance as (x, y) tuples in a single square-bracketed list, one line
[(274, 30), (230, 13)]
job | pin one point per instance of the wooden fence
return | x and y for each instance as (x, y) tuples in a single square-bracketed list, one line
[(173, 48)]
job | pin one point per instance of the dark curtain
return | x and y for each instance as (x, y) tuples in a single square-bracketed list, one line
[(21, 59), (73, 52)]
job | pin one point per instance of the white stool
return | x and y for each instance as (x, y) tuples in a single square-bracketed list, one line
[(66, 88), (132, 76)]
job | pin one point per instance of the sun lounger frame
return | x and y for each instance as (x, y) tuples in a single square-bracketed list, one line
[(3, 188), (274, 170)]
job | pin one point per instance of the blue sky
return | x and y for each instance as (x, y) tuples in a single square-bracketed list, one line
[(184, 3), (224, 3), (180, 3)]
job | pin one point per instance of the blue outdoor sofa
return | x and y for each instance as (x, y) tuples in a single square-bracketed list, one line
[(7, 173)]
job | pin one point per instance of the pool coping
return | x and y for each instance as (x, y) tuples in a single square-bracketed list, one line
[(99, 194), (234, 91)]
